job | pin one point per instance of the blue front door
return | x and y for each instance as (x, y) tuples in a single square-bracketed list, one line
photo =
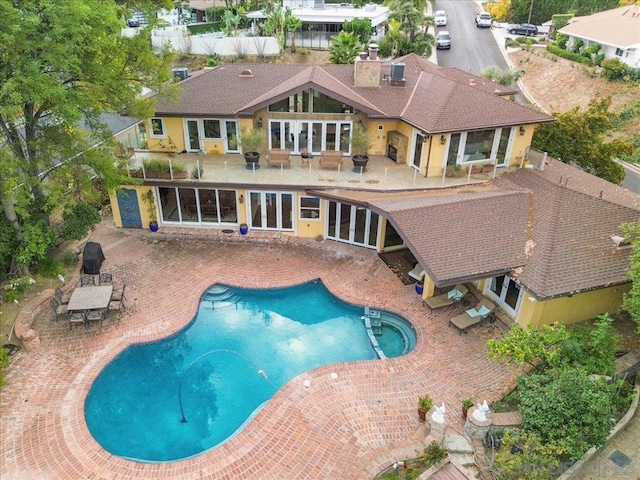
[(129, 208)]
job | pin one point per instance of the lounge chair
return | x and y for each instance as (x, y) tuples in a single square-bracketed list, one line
[(474, 316), (418, 272), (455, 295)]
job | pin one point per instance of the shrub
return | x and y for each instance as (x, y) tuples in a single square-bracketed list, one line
[(17, 289), (524, 455), (4, 363), (49, 267), (568, 409), (576, 57), (78, 220), (614, 70), (158, 166), (561, 40)]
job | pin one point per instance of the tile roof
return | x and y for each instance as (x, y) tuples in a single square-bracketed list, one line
[(434, 99), (619, 27), (572, 249)]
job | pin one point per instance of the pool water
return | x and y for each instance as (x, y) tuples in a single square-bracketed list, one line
[(188, 393)]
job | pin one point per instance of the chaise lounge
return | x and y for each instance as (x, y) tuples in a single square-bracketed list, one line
[(455, 295), (474, 316), (279, 157), (330, 159)]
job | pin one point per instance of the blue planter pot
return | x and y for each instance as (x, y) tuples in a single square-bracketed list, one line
[(153, 226), (419, 288), (244, 228)]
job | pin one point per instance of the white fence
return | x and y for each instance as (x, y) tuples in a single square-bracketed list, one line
[(209, 43)]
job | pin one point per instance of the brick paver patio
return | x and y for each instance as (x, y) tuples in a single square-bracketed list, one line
[(345, 428)]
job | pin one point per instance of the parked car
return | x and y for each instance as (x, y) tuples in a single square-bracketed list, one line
[(483, 20), (443, 40), (133, 23), (440, 18), (523, 29)]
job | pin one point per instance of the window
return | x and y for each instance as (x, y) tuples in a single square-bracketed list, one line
[(310, 208), (325, 104), (618, 52), (478, 145), (157, 127), (296, 103), (212, 129)]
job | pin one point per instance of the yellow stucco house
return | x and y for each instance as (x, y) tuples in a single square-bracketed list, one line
[(449, 177)]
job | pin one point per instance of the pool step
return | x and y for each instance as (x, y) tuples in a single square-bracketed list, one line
[(373, 325)]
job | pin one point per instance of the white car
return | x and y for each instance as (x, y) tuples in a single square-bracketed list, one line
[(483, 20), (440, 18)]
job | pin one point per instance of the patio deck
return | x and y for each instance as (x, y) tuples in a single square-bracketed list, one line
[(351, 426), (382, 173)]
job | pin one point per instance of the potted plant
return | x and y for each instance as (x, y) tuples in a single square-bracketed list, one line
[(359, 147), (252, 142), (424, 404), (467, 403), (151, 210)]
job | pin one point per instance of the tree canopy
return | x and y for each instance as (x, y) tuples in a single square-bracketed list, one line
[(632, 298), (63, 66), (579, 136)]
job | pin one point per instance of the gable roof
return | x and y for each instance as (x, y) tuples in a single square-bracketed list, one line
[(619, 27), (434, 99), (573, 221)]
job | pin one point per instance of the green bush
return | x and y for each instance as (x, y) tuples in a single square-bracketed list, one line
[(576, 57), (78, 220), (69, 258), (524, 455), (561, 40), (17, 288), (49, 267), (614, 70), (568, 409), (4, 363)]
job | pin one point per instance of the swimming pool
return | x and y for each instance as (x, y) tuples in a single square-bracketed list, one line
[(188, 393)]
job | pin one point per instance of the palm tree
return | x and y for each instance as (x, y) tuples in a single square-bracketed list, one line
[(293, 24), (344, 48)]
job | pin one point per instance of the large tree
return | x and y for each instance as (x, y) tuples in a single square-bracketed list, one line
[(579, 136), (632, 298), (63, 64)]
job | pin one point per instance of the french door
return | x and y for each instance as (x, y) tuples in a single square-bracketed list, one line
[(350, 224), (270, 211), (505, 292)]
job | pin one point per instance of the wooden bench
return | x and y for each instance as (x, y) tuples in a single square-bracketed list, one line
[(330, 159), (279, 156)]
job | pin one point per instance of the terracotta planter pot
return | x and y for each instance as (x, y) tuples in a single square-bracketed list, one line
[(422, 415)]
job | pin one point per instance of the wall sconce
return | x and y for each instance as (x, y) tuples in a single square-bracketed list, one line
[(241, 199), (259, 122), (443, 139), (522, 130)]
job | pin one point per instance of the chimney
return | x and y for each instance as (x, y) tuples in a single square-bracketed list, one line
[(367, 70)]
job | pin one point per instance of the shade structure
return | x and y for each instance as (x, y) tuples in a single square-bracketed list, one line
[(92, 258)]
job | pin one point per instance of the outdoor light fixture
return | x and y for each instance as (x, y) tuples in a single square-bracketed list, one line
[(522, 130), (241, 199), (443, 139), (259, 122)]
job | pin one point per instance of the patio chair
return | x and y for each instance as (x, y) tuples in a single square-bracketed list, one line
[(62, 296), (77, 318), (59, 309), (455, 295), (94, 316), (116, 305), (474, 316), (105, 279), (118, 293), (87, 280), (330, 159)]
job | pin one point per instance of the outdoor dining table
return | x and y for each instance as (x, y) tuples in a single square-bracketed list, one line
[(90, 298)]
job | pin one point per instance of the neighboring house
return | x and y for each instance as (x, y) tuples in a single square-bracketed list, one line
[(322, 21), (618, 31), (537, 241)]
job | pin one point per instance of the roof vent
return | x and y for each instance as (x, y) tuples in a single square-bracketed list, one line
[(397, 75), (246, 73), (180, 73), (621, 242)]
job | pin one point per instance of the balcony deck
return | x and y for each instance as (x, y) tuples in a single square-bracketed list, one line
[(381, 173)]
